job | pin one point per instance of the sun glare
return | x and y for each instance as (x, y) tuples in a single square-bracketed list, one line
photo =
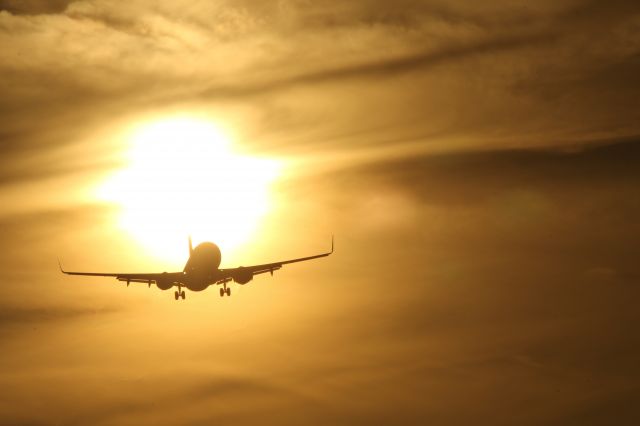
[(182, 177)]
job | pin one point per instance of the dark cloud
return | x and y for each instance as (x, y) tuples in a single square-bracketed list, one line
[(596, 411), (468, 177), (11, 316), (34, 7)]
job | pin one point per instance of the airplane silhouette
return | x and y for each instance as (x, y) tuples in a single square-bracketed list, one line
[(201, 271)]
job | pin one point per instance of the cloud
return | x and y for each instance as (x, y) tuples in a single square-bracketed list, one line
[(381, 69), (230, 386), (34, 7), (484, 201), (407, 68), (595, 411), (478, 176), (206, 399), (11, 316)]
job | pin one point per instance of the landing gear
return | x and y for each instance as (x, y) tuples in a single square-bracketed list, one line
[(225, 290), (179, 294)]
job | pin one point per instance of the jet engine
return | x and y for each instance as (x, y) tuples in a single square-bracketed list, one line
[(242, 276), (164, 283)]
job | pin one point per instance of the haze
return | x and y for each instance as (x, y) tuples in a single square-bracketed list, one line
[(477, 163)]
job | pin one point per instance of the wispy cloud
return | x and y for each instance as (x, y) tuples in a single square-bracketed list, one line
[(12, 316), (478, 163)]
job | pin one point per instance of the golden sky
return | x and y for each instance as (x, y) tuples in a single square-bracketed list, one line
[(476, 161)]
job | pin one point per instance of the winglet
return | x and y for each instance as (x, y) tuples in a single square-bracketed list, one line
[(331, 243), (60, 266)]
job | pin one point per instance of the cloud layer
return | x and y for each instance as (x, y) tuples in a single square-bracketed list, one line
[(477, 163)]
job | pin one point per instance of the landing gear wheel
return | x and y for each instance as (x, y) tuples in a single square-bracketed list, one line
[(222, 292), (175, 295), (228, 291), (183, 295)]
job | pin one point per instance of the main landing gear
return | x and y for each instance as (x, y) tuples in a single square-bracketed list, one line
[(179, 294), (226, 290)]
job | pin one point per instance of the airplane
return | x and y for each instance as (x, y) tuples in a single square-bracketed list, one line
[(200, 271)]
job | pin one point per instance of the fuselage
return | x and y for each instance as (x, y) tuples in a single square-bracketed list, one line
[(201, 269)]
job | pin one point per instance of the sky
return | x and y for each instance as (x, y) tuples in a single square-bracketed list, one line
[(476, 162)]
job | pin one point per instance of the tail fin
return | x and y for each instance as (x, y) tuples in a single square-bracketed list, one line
[(190, 246)]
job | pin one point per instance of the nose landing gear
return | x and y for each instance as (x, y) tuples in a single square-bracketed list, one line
[(225, 290), (179, 294)]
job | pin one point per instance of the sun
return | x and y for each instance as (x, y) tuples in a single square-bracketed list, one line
[(182, 177)]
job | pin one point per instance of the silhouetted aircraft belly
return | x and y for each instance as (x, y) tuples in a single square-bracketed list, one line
[(200, 271)]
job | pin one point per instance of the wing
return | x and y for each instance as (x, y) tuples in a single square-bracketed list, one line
[(244, 274), (151, 278)]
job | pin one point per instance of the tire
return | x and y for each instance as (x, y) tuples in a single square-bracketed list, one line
[(221, 292), (183, 295), (175, 295), (228, 291)]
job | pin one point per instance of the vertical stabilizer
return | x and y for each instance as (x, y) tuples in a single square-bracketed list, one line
[(190, 246)]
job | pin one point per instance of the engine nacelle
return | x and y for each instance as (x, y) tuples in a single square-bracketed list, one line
[(242, 276), (164, 283)]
